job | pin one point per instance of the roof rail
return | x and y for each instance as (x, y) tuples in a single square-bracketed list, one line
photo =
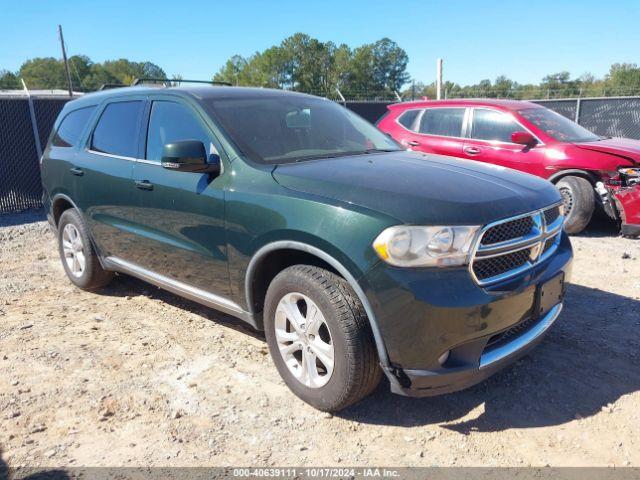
[(109, 86), (169, 81)]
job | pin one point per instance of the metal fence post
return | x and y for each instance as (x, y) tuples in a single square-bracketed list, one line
[(578, 103), (34, 123)]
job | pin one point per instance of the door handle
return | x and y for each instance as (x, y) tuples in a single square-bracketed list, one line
[(144, 185), (77, 171), (472, 150), (413, 143)]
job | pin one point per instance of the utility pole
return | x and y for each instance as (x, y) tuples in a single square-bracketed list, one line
[(66, 62), (439, 79)]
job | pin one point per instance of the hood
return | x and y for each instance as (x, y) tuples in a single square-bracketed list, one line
[(622, 147), (422, 189)]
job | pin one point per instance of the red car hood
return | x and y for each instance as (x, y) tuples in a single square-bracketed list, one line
[(622, 147)]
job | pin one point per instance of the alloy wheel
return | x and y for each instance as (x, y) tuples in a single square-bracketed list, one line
[(73, 250), (304, 340)]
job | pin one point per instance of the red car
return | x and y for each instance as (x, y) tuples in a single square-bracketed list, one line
[(589, 170)]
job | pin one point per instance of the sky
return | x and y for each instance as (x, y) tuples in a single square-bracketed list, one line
[(524, 40)]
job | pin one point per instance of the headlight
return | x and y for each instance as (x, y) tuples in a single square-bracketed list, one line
[(629, 172), (409, 246)]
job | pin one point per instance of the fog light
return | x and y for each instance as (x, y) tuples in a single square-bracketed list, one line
[(444, 357)]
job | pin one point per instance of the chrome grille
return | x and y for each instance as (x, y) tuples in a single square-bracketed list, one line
[(551, 214), (508, 231), (511, 246), (548, 244), (492, 266)]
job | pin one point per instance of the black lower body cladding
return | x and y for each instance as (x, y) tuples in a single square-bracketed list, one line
[(443, 332)]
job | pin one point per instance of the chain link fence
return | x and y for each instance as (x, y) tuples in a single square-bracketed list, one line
[(20, 184), (607, 116)]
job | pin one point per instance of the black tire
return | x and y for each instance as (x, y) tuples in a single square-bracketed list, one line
[(93, 275), (356, 371), (579, 202)]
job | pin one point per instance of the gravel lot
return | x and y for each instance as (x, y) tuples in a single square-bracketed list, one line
[(134, 376)]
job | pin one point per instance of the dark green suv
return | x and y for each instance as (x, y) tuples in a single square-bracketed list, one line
[(292, 213)]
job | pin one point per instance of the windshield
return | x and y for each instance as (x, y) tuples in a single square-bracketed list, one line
[(288, 128), (557, 126)]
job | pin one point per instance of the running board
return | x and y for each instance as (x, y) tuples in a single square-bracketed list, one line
[(184, 290)]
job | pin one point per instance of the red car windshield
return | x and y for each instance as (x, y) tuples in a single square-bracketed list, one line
[(557, 126)]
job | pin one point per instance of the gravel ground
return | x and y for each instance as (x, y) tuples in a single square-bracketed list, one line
[(134, 376)]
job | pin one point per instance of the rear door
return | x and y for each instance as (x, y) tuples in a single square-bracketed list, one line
[(60, 174), (104, 169), (179, 215), (489, 141), (438, 130)]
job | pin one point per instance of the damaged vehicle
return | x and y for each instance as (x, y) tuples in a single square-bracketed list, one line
[(590, 171), (357, 258)]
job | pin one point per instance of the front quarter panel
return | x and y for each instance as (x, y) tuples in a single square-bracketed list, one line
[(564, 156), (259, 211)]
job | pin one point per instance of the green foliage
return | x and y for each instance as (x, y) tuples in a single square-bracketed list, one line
[(622, 79), (303, 63), (49, 73), (9, 80), (306, 64)]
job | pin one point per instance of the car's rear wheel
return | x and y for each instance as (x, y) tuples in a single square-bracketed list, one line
[(78, 256), (579, 202), (319, 338)]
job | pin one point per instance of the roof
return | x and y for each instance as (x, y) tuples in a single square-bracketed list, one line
[(466, 102), (199, 92)]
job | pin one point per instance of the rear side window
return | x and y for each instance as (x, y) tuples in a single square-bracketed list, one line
[(493, 126), (117, 129), (408, 118), (445, 122), (172, 122), (71, 127)]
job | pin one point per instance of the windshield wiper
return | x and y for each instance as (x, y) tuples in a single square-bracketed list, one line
[(345, 154), (376, 150)]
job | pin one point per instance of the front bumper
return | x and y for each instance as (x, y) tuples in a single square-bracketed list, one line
[(627, 201), (422, 314), (426, 383)]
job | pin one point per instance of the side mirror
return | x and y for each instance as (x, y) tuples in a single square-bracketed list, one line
[(189, 156), (523, 138)]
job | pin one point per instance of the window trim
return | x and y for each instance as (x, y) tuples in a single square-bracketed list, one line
[(89, 141), (469, 128)]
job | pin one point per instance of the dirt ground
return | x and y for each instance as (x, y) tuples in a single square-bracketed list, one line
[(134, 376)]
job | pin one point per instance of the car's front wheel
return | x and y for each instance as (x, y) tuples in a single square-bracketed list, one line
[(319, 338), (579, 202), (78, 256)]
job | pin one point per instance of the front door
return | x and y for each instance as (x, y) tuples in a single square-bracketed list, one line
[(490, 141), (180, 215)]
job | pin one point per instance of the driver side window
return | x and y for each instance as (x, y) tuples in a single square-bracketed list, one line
[(173, 122), (493, 126)]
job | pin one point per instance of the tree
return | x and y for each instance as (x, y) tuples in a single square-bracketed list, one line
[(623, 78), (303, 63), (389, 65), (47, 72), (231, 70), (9, 80)]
